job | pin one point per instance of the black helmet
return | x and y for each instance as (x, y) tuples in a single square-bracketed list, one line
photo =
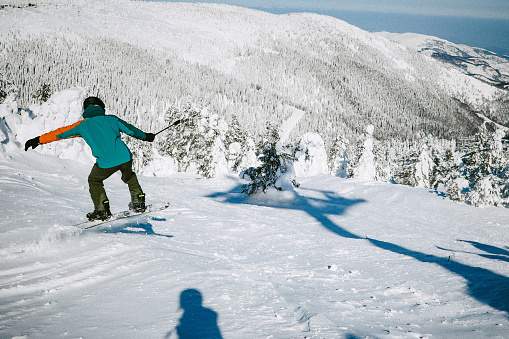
[(93, 101)]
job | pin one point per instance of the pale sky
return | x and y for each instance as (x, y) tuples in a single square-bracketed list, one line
[(494, 9)]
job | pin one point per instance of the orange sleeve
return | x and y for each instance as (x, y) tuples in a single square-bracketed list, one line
[(52, 136)]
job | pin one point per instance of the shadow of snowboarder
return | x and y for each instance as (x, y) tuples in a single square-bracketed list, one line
[(134, 227), (196, 321)]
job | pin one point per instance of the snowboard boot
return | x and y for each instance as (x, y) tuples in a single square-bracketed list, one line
[(100, 213), (137, 203)]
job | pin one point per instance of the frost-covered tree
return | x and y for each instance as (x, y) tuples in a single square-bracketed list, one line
[(483, 167), (3, 85), (445, 169), (385, 161), (197, 143), (211, 159), (338, 157), (446, 172), (241, 149), (276, 169), (363, 165), (8, 97), (417, 168), (311, 156), (3, 95), (8, 91), (454, 190), (424, 168), (43, 93), (486, 156), (406, 173), (486, 191)]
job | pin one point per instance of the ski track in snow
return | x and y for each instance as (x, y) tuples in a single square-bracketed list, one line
[(336, 259)]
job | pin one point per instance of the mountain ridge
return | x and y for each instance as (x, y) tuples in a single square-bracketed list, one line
[(343, 77), (477, 62)]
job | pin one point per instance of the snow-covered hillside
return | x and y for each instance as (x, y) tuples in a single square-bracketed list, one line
[(144, 57), (333, 258), (336, 258), (477, 62)]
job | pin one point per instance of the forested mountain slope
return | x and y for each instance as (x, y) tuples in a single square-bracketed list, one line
[(477, 62), (145, 57)]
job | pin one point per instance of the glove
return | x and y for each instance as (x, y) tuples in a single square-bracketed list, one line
[(32, 143), (149, 137)]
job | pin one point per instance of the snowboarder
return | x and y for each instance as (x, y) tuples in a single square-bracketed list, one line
[(102, 134)]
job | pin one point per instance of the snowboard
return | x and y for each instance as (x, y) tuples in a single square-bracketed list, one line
[(121, 215)]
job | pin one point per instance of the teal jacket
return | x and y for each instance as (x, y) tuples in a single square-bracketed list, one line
[(102, 134)]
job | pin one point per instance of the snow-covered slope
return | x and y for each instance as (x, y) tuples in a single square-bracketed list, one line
[(477, 62), (336, 258), (144, 56)]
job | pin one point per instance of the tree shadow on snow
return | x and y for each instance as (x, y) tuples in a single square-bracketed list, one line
[(491, 252), (319, 204), (494, 252), (196, 321), (483, 285)]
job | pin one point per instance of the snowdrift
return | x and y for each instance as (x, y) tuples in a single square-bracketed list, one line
[(62, 109)]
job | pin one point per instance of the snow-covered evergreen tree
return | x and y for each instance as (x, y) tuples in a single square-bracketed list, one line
[(9, 93), (504, 184), (8, 116), (211, 159), (197, 143), (484, 168), (3, 93), (424, 168), (406, 173), (454, 190), (417, 168), (385, 161), (311, 157), (241, 149), (42, 94), (445, 168), (338, 157), (446, 172), (363, 166), (276, 169), (486, 156), (486, 191)]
